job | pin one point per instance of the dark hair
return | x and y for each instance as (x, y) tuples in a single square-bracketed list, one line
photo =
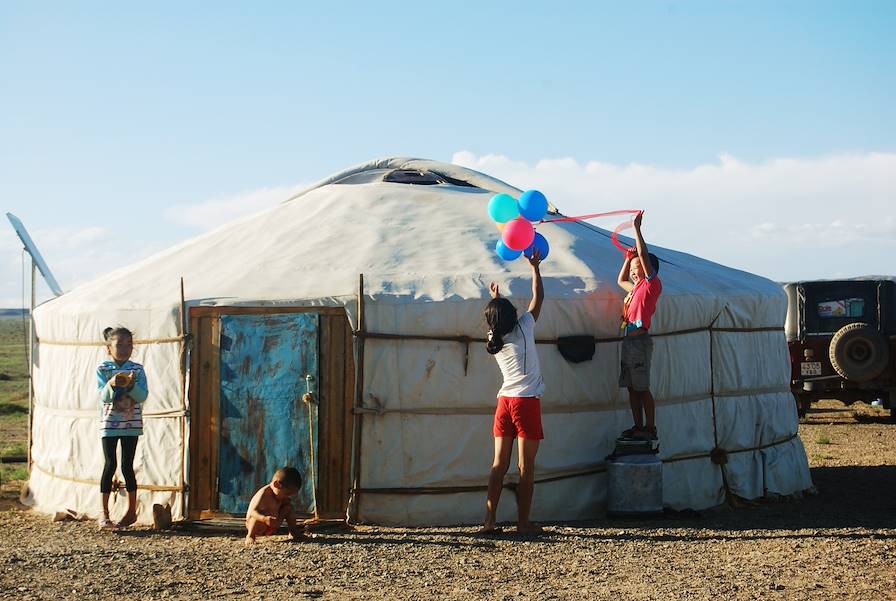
[(289, 477), (110, 333), (500, 315), (654, 262)]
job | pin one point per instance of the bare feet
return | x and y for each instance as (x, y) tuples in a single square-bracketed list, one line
[(250, 541), (128, 519), (490, 529), (529, 528)]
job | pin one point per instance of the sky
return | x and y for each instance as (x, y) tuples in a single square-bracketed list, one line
[(760, 135)]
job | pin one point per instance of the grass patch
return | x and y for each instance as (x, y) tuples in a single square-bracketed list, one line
[(825, 456), (13, 408), (19, 449), (13, 386), (13, 348), (12, 472), (822, 440)]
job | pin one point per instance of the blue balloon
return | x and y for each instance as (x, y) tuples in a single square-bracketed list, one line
[(503, 208), (533, 205), (506, 253), (540, 243)]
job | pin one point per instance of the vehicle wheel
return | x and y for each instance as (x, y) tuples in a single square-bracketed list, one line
[(858, 352)]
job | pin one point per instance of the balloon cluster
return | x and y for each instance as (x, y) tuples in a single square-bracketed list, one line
[(514, 219)]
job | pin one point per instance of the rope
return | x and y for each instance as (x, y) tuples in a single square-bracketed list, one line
[(593, 469), (93, 414), (179, 338), (598, 340), (717, 456), (718, 452), (116, 487), (308, 402), (550, 408)]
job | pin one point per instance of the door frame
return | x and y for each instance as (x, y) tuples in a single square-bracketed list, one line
[(336, 397)]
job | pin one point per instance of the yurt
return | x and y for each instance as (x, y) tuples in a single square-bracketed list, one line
[(342, 332)]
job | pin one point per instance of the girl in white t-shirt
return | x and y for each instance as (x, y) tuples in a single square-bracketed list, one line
[(512, 342)]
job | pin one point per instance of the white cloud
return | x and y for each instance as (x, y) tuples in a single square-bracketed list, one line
[(76, 256), (786, 218), (210, 214), (73, 255)]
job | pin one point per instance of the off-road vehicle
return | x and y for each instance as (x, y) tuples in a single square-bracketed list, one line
[(842, 340)]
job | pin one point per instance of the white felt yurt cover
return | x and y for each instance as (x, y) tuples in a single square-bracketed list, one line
[(720, 367)]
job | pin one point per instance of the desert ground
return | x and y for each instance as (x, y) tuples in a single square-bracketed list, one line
[(837, 542)]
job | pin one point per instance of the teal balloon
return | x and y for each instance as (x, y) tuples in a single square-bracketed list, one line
[(541, 244), (533, 205), (503, 208), (506, 253)]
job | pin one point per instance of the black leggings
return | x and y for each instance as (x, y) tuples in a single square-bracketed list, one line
[(128, 450)]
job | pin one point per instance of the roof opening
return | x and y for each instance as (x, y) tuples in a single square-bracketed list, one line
[(413, 176)]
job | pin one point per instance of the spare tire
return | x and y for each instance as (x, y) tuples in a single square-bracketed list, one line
[(858, 352)]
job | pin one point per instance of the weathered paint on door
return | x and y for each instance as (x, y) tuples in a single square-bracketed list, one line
[(264, 422)]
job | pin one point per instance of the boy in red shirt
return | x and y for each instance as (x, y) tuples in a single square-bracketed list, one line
[(638, 277)]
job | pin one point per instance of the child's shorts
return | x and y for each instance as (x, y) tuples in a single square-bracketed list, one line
[(636, 354), (518, 417), (271, 530), (268, 530)]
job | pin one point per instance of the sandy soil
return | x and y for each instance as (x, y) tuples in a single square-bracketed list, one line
[(837, 544)]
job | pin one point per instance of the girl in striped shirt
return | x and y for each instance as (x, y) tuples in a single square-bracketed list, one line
[(122, 388)]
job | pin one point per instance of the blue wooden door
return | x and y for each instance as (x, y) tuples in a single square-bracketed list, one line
[(264, 422)]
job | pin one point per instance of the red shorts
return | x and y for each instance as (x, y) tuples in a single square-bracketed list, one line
[(271, 530), (518, 417), (268, 530)]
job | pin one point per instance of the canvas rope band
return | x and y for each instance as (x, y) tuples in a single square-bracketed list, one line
[(597, 340), (596, 468), (181, 338), (381, 408), (149, 487), (92, 413)]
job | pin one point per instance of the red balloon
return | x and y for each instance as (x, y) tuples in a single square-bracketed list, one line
[(518, 234)]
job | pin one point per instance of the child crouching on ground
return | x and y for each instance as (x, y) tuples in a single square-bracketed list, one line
[(272, 504)]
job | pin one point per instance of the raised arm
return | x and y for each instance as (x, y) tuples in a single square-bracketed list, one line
[(537, 286), (622, 279), (643, 255)]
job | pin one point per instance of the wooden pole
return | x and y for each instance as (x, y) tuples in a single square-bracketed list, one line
[(183, 401), (354, 499)]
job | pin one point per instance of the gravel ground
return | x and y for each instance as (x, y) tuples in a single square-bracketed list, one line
[(837, 544)]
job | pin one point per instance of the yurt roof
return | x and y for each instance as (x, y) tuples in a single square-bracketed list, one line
[(412, 242)]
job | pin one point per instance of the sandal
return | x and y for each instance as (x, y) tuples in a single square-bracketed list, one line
[(632, 432), (646, 434), (105, 524)]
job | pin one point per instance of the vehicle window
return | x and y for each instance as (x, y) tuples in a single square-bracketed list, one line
[(831, 305), (847, 307)]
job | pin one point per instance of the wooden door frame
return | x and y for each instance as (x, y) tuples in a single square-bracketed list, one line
[(335, 388)]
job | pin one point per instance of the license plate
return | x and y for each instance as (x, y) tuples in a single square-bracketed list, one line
[(810, 368)]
